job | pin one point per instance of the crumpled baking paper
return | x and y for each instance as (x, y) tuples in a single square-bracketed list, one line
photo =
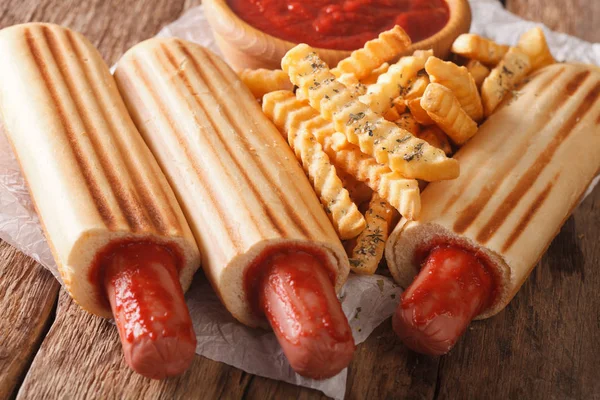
[(367, 300)]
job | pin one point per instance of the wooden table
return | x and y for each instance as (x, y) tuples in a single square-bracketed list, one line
[(545, 344)]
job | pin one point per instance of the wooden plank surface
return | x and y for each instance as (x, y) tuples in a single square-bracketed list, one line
[(81, 357), (544, 345), (27, 297), (575, 17)]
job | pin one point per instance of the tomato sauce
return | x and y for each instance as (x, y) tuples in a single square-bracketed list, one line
[(453, 282), (104, 258), (146, 297), (296, 283), (255, 274), (345, 24), (423, 252)]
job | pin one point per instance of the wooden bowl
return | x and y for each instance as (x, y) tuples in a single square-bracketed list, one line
[(247, 47)]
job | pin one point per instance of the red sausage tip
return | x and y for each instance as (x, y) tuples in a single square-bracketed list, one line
[(148, 304), (435, 338), (451, 289), (299, 301), (170, 356)]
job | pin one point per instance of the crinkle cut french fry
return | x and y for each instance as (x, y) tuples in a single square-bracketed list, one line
[(370, 244), (374, 75), (359, 191), (533, 43), (261, 81), (479, 48), (395, 82), (513, 68), (418, 113), (400, 105), (384, 140), (354, 85), (460, 82), (289, 113), (392, 115), (444, 108), (478, 71), (417, 87), (343, 212), (389, 45), (408, 122), (436, 137)]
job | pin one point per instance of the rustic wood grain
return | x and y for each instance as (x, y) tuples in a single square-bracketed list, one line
[(27, 297), (575, 17), (383, 368), (544, 345), (81, 357)]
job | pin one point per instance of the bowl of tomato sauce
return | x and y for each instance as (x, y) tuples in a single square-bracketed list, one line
[(258, 33)]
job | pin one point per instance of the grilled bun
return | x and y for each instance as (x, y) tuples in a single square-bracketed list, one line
[(521, 177)]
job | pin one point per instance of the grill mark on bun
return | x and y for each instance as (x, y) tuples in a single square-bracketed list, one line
[(529, 177), (576, 82), (279, 226), (94, 190), (297, 219), (213, 124), (528, 216), (139, 72), (128, 206), (162, 218), (470, 175), (470, 213)]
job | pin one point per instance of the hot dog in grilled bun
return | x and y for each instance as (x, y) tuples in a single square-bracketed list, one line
[(479, 236)]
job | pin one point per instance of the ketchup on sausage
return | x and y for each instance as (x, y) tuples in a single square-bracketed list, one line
[(451, 289), (345, 24), (148, 305), (298, 298)]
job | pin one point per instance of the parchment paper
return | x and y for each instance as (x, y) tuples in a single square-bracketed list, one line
[(367, 301)]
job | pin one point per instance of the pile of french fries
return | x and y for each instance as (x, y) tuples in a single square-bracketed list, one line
[(371, 132)]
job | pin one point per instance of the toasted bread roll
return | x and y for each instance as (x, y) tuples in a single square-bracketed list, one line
[(93, 180), (239, 183), (522, 175)]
